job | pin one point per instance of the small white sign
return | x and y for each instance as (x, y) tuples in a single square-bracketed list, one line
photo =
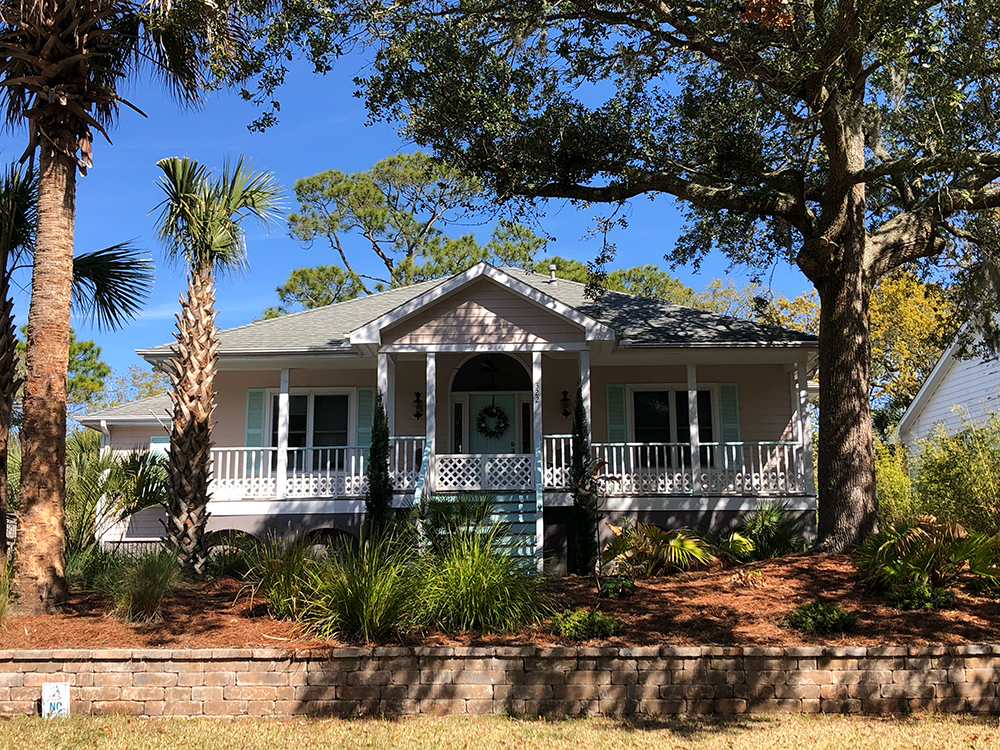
[(55, 699)]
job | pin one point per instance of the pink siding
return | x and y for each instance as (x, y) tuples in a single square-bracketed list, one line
[(483, 312), (126, 437)]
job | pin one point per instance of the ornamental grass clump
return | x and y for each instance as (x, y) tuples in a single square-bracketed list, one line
[(364, 593), (476, 583), (278, 572), (4, 589), (139, 589)]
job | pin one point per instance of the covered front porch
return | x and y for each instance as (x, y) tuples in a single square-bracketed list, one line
[(447, 392)]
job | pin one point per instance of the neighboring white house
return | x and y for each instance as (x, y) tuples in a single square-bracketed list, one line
[(694, 416), (957, 390)]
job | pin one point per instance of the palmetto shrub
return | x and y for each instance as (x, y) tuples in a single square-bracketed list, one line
[(641, 550), (138, 590), (923, 550), (364, 593), (772, 527), (476, 583)]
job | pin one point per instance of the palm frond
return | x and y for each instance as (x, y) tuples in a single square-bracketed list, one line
[(201, 216), (18, 214), (110, 286)]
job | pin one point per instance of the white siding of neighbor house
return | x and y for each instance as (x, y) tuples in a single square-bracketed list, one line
[(483, 312), (969, 390)]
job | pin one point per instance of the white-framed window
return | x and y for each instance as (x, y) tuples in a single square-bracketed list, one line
[(659, 417), (159, 444), (320, 426)]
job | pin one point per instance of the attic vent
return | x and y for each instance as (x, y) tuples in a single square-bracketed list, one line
[(552, 273)]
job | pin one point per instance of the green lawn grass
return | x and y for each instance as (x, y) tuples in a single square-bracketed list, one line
[(488, 732)]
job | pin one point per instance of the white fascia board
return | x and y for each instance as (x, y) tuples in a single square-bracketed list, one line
[(370, 333), (930, 385)]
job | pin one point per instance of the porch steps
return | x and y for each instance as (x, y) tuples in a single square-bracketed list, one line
[(517, 510)]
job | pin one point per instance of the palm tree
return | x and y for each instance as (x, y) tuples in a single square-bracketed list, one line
[(200, 226), (109, 287), (63, 63)]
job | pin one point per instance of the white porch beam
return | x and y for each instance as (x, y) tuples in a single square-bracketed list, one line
[(695, 430), (430, 416), (282, 462), (387, 384), (805, 428), (585, 391), (536, 410)]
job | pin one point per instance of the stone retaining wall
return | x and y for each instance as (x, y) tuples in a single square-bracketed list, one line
[(518, 680)]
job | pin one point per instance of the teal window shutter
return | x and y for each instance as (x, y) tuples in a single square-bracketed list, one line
[(729, 424), (255, 433), (366, 415), (617, 458), (617, 414), (256, 430)]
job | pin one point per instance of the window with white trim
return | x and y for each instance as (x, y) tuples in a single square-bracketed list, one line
[(660, 419), (319, 421)]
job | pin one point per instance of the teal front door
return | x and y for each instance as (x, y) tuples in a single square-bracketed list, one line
[(479, 443)]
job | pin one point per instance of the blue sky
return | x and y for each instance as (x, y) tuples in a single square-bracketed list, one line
[(322, 126)]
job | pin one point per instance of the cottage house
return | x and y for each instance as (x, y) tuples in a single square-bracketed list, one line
[(694, 417)]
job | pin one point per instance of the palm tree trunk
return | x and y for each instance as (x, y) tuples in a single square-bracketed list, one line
[(192, 371), (40, 548)]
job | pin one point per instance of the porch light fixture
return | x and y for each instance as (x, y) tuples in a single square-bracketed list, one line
[(564, 404), (418, 406)]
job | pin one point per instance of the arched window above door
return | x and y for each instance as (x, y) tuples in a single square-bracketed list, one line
[(491, 372)]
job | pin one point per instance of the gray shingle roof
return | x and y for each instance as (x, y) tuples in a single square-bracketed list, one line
[(148, 408), (641, 320)]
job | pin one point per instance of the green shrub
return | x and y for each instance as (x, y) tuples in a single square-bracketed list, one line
[(477, 584), (958, 476), (909, 596), (364, 593), (91, 568), (616, 587), (916, 549), (819, 618), (893, 486), (583, 624), (139, 588), (640, 550), (772, 528), (278, 572)]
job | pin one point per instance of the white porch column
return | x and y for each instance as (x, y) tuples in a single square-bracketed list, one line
[(585, 391), (536, 404), (695, 430), (281, 469), (805, 428), (387, 384), (430, 416)]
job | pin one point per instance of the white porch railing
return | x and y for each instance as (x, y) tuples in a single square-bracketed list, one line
[(342, 471), (502, 471), (639, 469)]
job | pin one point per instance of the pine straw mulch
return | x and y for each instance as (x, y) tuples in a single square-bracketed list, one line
[(711, 607)]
